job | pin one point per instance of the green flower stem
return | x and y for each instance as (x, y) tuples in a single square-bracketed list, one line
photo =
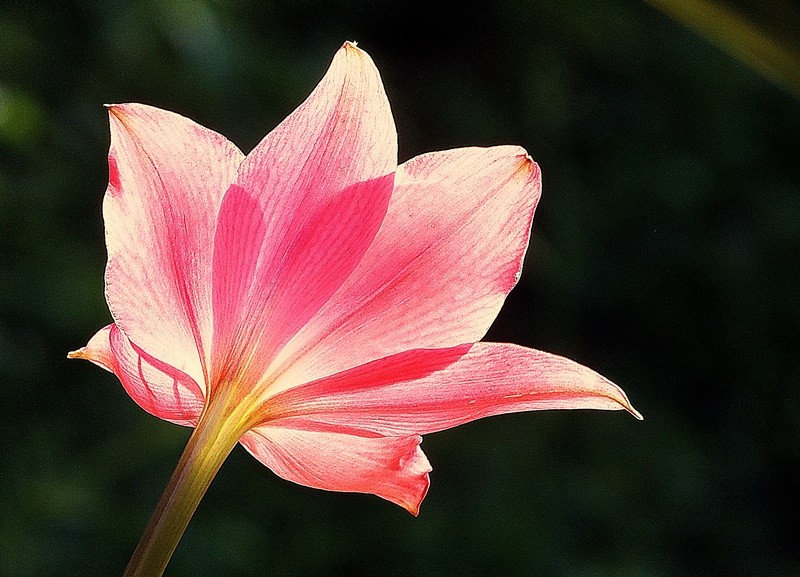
[(211, 442)]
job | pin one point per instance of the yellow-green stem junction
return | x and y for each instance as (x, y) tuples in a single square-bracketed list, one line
[(219, 429)]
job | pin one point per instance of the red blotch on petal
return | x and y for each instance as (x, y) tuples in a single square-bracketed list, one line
[(114, 186)]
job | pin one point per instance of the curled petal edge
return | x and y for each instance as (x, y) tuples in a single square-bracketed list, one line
[(161, 390), (322, 457)]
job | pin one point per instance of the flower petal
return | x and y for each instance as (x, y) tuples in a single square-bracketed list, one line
[(449, 251), (158, 388), (167, 177), (313, 194), (419, 392), (394, 468)]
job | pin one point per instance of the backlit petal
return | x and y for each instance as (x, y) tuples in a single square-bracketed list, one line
[(449, 251), (317, 294), (307, 203), (158, 388), (394, 468), (395, 396), (167, 177)]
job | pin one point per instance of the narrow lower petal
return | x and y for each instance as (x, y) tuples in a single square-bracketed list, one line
[(388, 398), (158, 388), (167, 178), (449, 251), (394, 468), (313, 194)]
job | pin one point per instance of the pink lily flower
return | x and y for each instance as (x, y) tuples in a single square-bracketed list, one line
[(315, 301)]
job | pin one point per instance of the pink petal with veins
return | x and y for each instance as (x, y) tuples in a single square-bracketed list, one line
[(449, 251), (424, 391), (310, 199), (344, 459), (335, 297), (158, 388), (167, 177)]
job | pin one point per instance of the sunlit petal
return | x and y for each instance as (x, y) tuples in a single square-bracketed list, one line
[(167, 176), (424, 391), (305, 206), (344, 459), (448, 253), (158, 388)]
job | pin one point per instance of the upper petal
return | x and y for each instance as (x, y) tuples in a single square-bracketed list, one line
[(447, 254), (167, 177), (158, 388), (306, 204), (425, 391)]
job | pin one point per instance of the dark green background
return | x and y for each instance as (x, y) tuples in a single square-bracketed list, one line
[(665, 254)]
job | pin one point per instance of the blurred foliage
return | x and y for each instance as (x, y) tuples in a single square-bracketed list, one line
[(665, 255), (766, 38)]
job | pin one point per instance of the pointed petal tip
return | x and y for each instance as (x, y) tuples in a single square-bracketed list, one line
[(116, 111), (97, 350), (635, 413), (418, 466), (625, 404), (413, 504), (412, 508), (122, 111), (414, 468), (351, 49), (527, 165), (613, 392)]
